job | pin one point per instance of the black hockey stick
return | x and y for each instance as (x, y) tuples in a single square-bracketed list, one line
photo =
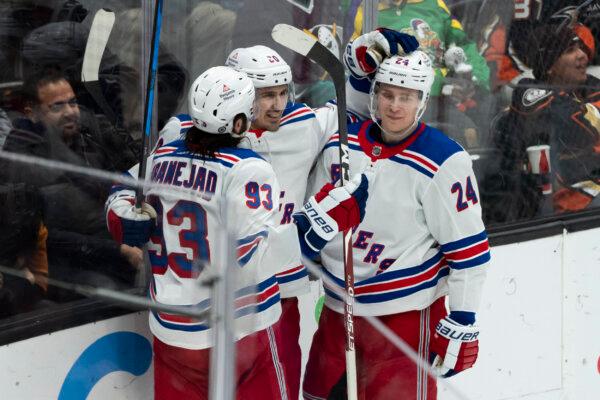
[(96, 43), (152, 68), (306, 45)]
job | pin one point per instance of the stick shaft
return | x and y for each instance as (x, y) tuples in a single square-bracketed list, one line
[(336, 70), (298, 41), (150, 91)]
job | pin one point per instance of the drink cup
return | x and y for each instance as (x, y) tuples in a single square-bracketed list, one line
[(539, 158), (539, 164)]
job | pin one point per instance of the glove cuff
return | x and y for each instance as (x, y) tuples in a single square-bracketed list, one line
[(463, 317), (310, 243)]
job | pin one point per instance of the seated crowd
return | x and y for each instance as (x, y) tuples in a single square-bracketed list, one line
[(519, 94)]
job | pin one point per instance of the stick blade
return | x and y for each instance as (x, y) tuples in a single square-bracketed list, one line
[(98, 37), (293, 38)]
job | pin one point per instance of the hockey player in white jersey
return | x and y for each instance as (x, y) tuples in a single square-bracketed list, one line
[(290, 136), (225, 185), (422, 239)]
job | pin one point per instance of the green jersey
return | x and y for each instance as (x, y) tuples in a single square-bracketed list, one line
[(432, 24)]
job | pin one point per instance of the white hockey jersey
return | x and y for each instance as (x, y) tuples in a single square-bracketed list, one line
[(292, 151), (237, 188), (422, 236)]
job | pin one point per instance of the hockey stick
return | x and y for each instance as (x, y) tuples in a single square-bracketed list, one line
[(94, 49), (152, 68), (306, 45)]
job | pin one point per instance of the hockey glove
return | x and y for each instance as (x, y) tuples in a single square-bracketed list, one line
[(126, 224), (453, 348), (364, 54), (332, 210)]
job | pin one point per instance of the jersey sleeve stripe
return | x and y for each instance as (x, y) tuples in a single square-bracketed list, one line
[(292, 275), (291, 271), (367, 298), (464, 242), (180, 322), (246, 249), (392, 295), (402, 283), (179, 326), (251, 238), (395, 281), (260, 301), (468, 252), (472, 262), (245, 252), (249, 300), (255, 298)]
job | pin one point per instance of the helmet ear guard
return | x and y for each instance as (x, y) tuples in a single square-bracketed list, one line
[(217, 97)]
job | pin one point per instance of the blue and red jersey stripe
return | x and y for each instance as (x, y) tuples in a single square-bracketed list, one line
[(468, 252)]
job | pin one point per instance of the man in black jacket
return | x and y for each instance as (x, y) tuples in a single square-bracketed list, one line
[(558, 108), (56, 128)]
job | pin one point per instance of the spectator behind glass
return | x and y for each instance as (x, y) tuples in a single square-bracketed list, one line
[(23, 237), (503, 30), (62, 45), (79, 249), (557, 108), (460, 97), (126, 45)]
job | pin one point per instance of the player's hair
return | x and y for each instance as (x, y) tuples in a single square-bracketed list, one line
[(206, 144)]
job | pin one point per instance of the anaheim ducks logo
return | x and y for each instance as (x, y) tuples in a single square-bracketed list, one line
[(532, 96)]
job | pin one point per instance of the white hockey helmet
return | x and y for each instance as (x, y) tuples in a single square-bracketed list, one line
[(411, 71), (263, 65), (217, 96)]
